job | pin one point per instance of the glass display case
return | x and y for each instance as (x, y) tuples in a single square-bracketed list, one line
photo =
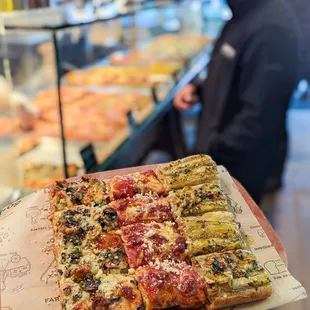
[(100, 80)]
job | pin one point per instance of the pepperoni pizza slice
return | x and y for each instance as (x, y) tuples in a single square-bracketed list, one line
[(168, 284), (142, 209), (136, 183), (145, 243)]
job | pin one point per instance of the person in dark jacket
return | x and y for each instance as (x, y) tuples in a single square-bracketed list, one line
[(251, 77)]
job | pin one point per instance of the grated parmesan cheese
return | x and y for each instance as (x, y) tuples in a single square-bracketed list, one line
[(168, 266), (107, 288), (150, 233)]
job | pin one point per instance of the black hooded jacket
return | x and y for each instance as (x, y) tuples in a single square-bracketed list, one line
[(251, 76)]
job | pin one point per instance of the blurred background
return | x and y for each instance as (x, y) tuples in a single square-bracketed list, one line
[(89, 86)]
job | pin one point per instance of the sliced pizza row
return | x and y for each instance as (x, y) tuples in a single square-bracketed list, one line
[(198, 169), (152, 240)]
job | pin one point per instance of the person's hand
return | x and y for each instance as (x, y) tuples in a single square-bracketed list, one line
[(186, 97)]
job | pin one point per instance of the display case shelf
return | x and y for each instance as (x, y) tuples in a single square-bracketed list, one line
[(129, 146), (162, 108), (79, 18)]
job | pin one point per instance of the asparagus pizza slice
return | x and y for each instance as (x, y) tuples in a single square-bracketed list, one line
[(189, 171), (211, 232), (232, 278), (197, 200)]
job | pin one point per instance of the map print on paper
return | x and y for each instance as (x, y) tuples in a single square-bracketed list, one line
[(261, 233), (7, 211), (16, 266), (38, 217), (234, 205), (300, 296), (275, 267), (33, 213), (5, 235), (18, 288), (46, 205), (50, 272)]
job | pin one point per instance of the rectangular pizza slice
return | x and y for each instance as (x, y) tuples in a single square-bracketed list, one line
[(169, 284), (85, 236), (142, 209), (210, 217), (197, 200), (87, 262), (144, 243), (117, 292), (72, 296), (104, 254), (112, 292), (205, 236), (88, 192), (189, 171), (85, 220), (232, 278), (135, 183)]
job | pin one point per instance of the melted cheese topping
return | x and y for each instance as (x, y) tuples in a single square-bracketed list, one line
[(136, 183), (146, 242), (89, 191), (142, 209), (73, 294), (121, 291), (166, 284), (166, 265)]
